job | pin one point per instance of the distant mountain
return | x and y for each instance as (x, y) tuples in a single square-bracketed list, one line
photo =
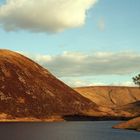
[(29, 90), (125, 101), (110, 96)]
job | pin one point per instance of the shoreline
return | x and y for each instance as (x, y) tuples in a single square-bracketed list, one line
[(66, 119)]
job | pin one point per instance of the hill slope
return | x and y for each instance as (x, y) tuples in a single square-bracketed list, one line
[(29, 90), (124, 101), (132, 108), (110, 96), (133, 124)]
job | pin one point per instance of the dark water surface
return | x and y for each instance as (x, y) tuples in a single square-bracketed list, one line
[(97, 130)]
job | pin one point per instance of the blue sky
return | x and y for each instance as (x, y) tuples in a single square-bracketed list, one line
[(110, 26)]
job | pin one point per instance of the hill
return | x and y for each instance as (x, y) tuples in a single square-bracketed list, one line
[(28, 90), (133, 124), (124, 101), (110, 96)]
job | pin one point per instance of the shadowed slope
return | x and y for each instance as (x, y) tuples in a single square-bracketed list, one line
[(132, 108)]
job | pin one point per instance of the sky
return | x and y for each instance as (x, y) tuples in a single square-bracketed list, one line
[(82, 42)]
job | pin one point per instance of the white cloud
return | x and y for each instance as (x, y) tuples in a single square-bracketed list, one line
[(74, 64), (79, 82), (127, 83), (44, 15), (82, 83)]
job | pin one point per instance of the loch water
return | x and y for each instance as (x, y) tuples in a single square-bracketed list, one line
[(84, 130)]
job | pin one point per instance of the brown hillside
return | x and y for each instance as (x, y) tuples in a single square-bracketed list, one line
[(132, 108), (133, 124), (29, 90), (110, 96)]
